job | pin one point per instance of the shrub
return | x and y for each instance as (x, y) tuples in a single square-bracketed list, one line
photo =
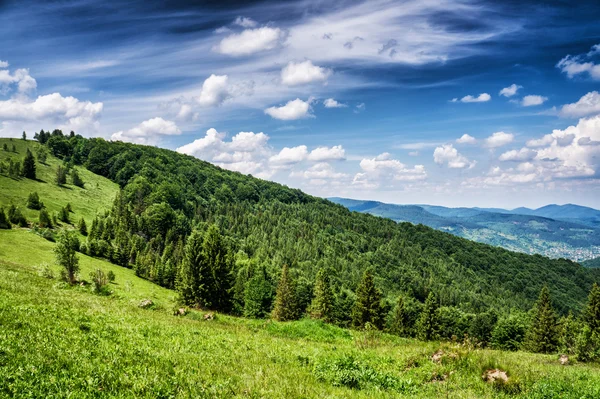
[(76, 179), (509, 333), (111, 276), (587, 346), (44, 219), (100, 280), (33, 201), (16, 217), (4, 222)]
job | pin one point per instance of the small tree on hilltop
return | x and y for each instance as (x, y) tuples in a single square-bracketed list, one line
[(285, 299), (368, 307), (28, 168), (543, 333), (66, 256), (24, 136), (322, 305), (428, 326)]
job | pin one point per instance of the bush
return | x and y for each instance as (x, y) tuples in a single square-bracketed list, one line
[(16, 217), (509, 333), (100, 280), (77, 180), (4, 222), (33, 201), (111, 276), (587, 346), (44, 219)]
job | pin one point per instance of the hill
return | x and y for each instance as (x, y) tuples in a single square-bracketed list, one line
[(572, 236), (56, 340), (164, 195)]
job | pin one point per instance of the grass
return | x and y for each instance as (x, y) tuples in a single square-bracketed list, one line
[(59, 341), (97, 195)]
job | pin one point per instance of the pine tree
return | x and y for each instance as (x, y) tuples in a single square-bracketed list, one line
[(322, 305), (220, 265), (543, 334), (44, 219), (428, 327), (33, 201), (64, 215), (258, 295), (569, 329), (591, 315), (400, 319), (285, 308), (66, 255), (194, 277), (4, 222), (368, 307), (24, 136), (28, 168), (82, 227), (61, 176)]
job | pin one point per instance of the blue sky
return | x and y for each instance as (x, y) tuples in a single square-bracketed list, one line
[(457, 103)]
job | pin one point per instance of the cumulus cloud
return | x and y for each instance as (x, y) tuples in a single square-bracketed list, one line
[(294, 109), (524, 154), (466, 139), (289, 156), (385, 170), (580, 64), (245, 22), (20, 79), (448, 155), (214, 91), (297, 73), (251, 41), (331, 103), (320, 171), (3, 64), (483, 97), (510, 90), (587, 105), (532, 100), (320, 154), (148, 132), (499, 139)]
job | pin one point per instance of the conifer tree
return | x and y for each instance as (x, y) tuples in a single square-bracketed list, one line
[(569, 329), (4, 222), (591, 315), (194, 277), (400, 320), (66, 255), (428, 326), (285, 308), (42, 154), (322, 305), (28, 168), (76, 179), (258, 295), (24, 136), (61, 175), (44, 219), (543, 333), (220, 266), (82, 227), (33, 201), (368, 307)]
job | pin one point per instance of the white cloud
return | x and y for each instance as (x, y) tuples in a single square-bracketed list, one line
[(359, 108), (289, 156), (524, 154), (510, 90), (466, 139), (319, 171), (499, 139), (295, 109), (334, 153), (214, 91), (331, 103), (385, 170), (148, 132), (577, 65), (251, 41), (587, 105), (303, 72), (532, 100), (245, 22), (483, 97), (450, 156), (24, 82), (3, 64)]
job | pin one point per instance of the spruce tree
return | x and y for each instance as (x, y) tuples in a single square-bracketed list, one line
[(28, 168), (33, 201), (66, 255), (220, 266), (322, 305), (428, 327), (76, 179), (24, 136), (44, 219), (591, 315), (4, 222), (258, 295), (82, 227), (368, 307), (543, 334), (61, 175), (195, 275), (400, 319), (285, 298)]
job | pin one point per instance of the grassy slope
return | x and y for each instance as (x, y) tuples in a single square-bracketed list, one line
[(56, 340), (98, 193)]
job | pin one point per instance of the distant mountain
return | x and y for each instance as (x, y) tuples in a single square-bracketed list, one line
[(559, 231), (592, 263)]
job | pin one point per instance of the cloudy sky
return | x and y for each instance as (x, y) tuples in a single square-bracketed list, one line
[(457, 103)]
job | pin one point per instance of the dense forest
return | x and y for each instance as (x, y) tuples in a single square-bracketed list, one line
[(242, 245)]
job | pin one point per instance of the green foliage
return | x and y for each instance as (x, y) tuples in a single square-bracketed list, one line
[(322, 305), (285, 307), (111, 276), (509, 332), (33, 201), (216, 254), (258, 295), (99, 280), (543, 334), (66, 256), (64, 215), (195, 274), (400, 324), (28, 169), (587, 346), (591, 314), (4, 221), (24, 136), (61, 176), (76, 178), (429, 323), (569, 329), (82, 227), (368, 307), (16, 216), (482, 326), (42, 154), (44, 219)]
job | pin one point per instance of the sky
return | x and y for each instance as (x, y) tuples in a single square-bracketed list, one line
[(454, 103)]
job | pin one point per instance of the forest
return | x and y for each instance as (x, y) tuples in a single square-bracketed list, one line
[(239, 245)]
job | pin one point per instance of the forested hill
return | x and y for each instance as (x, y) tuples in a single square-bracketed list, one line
[(166, 195)]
